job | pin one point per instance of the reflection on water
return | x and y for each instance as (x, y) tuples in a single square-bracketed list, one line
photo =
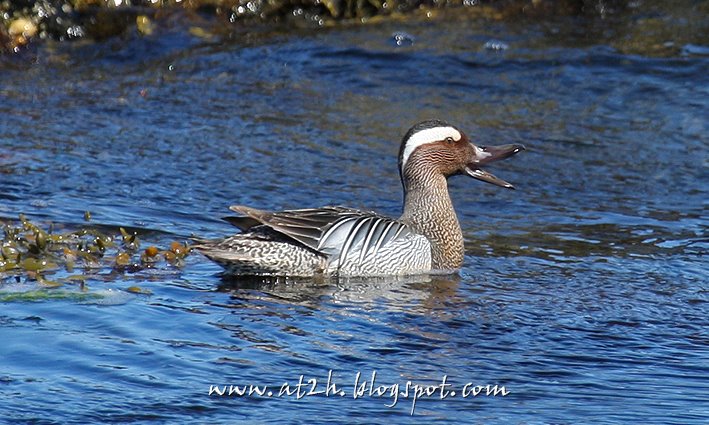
[(584, 292), (415, 294)]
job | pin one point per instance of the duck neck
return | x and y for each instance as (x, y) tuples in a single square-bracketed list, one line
[(428, 209)]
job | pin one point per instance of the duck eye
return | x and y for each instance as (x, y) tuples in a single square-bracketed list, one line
[(449, 139)]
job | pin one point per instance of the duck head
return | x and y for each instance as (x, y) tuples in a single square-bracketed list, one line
[(437, 146)]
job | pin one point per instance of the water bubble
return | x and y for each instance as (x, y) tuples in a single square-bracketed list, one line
[(496, 45), (75, 31), (402, 38)]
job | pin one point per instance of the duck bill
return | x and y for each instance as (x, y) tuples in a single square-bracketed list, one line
[(483, 175), (487, 154)]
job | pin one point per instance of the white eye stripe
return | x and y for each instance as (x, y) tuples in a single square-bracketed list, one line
[(429, 135)]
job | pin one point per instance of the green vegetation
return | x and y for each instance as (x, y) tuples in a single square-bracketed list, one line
[(22, 21), (40, 260)]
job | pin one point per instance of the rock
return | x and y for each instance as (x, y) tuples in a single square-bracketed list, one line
[(23, 27)]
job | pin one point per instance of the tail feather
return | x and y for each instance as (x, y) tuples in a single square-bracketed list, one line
[(236, 263), (243, 255)]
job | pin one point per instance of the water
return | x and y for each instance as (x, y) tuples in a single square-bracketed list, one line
[(584, 292)]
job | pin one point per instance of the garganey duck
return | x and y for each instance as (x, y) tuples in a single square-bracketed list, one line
[(339, 241)]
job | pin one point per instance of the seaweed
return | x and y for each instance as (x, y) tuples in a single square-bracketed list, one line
[(35, 260), (21, 21)]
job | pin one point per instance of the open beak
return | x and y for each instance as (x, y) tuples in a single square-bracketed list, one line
[(487, 154)]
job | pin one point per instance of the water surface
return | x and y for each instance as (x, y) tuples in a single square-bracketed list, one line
[(584, 292)]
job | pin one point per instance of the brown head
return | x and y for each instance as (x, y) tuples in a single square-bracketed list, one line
[(436, 146)]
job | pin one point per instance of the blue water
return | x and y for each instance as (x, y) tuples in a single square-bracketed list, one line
[(584, 292)]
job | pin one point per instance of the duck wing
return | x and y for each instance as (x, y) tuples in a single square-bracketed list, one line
[(335, 231)]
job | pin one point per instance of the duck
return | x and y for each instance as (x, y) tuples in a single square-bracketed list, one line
[(339, 241)]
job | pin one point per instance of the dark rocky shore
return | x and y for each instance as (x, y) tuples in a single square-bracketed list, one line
[(23, 22)]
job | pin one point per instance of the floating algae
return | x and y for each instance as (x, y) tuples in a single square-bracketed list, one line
[(23, 21), (43, 295), (30, 254)]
